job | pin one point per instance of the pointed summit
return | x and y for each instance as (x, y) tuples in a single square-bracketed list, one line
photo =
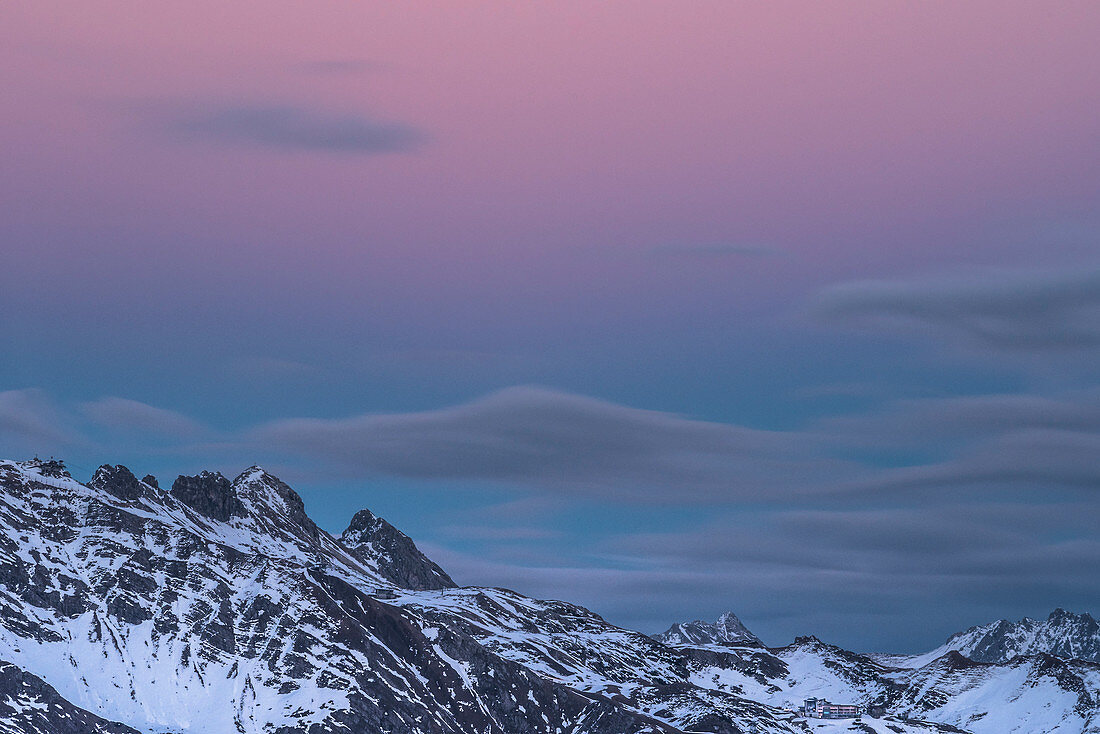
[(118, 481), (728, 630), (733, 629), (392, 554)]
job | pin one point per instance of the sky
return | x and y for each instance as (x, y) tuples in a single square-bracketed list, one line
[(790, 309)]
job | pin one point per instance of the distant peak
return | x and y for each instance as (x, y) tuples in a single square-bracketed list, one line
[(728, 630), (729, 618), (252, 473)]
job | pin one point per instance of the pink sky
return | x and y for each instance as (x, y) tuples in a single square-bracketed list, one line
[(825, 131)]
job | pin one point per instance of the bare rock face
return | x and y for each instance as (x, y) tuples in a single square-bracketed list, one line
[(209, 494), (392, 553), (118, 481)]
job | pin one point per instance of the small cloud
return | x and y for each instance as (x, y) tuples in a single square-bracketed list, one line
[(122, 414), (337, 67), (293, 128), (270, 368), (715, 249), (966, 418)]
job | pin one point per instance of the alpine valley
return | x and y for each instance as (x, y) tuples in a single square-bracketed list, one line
[(218, 607)]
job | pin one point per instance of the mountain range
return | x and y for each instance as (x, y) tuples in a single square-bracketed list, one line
[(217, 606)]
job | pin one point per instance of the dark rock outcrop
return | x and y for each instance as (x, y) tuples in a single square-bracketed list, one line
[(118, 481), (209, 494)]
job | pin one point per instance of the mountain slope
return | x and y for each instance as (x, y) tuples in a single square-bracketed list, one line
[(1038, 694), (28, 704)]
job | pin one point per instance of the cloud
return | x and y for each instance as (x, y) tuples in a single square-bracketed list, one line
[(914, 423), (131, 416), (1042, 460), (293, 128), (337, 66), (715, 249), (1052, 310), (270, 368), (498, 533), (572, 444), (31, 422)]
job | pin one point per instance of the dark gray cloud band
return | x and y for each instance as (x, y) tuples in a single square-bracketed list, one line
[(292, 128), (1052, 310), (571, 443)]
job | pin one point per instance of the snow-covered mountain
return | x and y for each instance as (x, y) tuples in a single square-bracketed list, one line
[(728, 630), (1063, 634), (218, 606)]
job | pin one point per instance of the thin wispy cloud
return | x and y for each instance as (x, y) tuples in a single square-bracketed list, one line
[(291, 127), (1029, 311), (337, 67), (715, 249)]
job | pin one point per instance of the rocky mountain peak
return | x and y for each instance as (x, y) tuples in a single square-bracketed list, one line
[(392, 554), (733, 628), (118, 481), (267, 489), (1064, 634), (210, 494), (728, 630), (273, 504)]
